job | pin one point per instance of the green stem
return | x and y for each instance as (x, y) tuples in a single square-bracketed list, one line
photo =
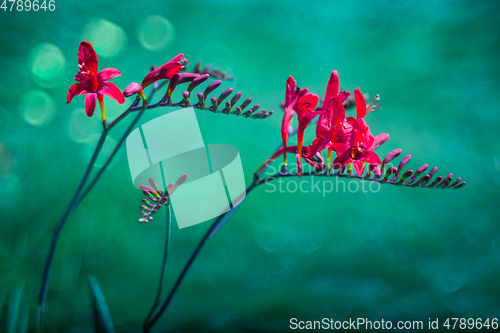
[(163, 266), (110, 158), (69, 209), (221, 220)]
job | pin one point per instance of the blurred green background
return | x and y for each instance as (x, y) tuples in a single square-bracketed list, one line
[(398, 254)]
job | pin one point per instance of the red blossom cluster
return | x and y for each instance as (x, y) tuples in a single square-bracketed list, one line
[(349, 138)]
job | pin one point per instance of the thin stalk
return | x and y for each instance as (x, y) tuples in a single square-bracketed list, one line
[(163, 266), (110, 158), (60, 225), (219, 221)]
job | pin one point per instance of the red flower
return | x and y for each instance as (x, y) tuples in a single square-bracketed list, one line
[(324, 128), (350, 138), (165, 71), (292, 95), (92, 83), (331, 123), (357, 152), (338, 129), (305, 112)]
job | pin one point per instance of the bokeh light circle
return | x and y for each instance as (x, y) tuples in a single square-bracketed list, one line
[(308, 239), (37, 107), (47, 63), (273, 238), (107, 38), (155, 32), (82, 128)]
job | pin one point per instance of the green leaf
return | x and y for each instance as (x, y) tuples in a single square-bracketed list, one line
[(3, 295), (23, 320), (13, 310), (102, 317)]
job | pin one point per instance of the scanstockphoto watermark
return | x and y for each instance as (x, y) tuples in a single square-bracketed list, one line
[(318, 182)]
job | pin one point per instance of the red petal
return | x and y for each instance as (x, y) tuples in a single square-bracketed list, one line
[(359, 167), (80, 77), (322, 128), (370, 157), (318, 145), (338, 111), (176, 58), (342, 159), (356, 138), (90, 101), (87, 57), (350, 120), (360, 125), (78, 89), (360, 104), (332, 88), (169, 70), (305, 104), (107, 74), (343, 95), (285, 124), (368, 141), (289, 91), (111, 90), (341, 135), (163, 72), (339, 148)]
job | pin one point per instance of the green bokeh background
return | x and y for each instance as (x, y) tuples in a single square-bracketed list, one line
[(398, 254)]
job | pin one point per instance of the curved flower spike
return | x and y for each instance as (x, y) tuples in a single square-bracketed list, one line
[(165, 71), (155, 198), (93, 83)]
